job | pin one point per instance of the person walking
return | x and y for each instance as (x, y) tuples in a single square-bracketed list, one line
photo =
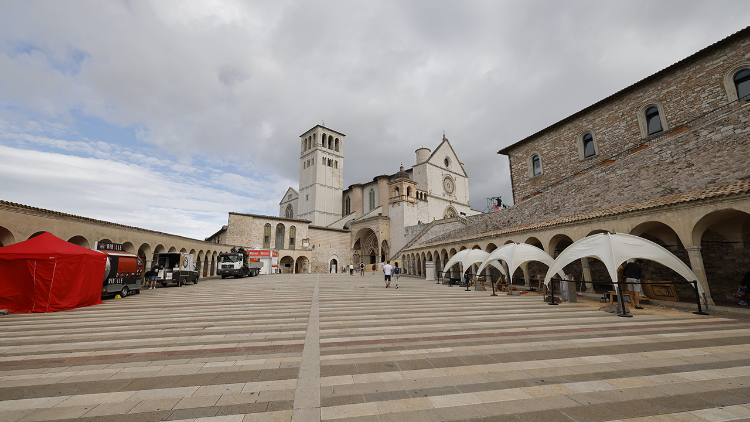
[(387, 269), (396, 272), (362, 269), (154, 276), (351, 269), (633, 273)]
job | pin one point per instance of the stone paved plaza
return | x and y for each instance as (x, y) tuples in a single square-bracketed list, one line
[(335, 347)]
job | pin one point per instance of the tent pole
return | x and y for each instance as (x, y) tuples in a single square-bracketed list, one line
[(621, 303), (552, 293), (697, 298)]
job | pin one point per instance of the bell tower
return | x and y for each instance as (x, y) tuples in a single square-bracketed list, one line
[(321, 177)]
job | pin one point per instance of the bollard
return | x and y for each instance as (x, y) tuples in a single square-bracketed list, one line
[(697, 298), (552, 293)]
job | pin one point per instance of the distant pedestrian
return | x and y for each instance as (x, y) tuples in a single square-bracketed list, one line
[(387, 269), (633, 273), (745, 287), (351, 270), (396, 273)]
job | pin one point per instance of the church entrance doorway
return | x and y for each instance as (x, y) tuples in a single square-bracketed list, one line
[(333, 267)]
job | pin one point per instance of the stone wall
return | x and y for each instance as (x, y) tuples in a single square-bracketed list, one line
[(690, 89), (328, 244)]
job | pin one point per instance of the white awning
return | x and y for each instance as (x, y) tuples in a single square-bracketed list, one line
[(515, 255), (615, 248), (467, 258)]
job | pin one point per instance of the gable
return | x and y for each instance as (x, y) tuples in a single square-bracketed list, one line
[(289, 196), (443, 151)]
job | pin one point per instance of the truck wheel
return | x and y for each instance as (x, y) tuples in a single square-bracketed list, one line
[(124, 291), (195, 281)]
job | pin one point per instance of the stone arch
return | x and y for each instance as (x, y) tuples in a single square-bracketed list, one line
[(385, 251), (37, 234), (105, 240), (429, 256), (476, 247), (128, 247), (6, 237), (199, 262), (213, 263), (665, 236), (192, 252), (722, 249), (206, 263), (490, 247), (597, 231), (302, 265), (159, 249), (508, 242), (172, 249), (144, 251), (463, 247), (557, 244), (80, 241), (183, 250), (286, 264), (334, 264), (531, 240)]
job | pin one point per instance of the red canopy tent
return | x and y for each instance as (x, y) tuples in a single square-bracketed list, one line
[(48, 274)]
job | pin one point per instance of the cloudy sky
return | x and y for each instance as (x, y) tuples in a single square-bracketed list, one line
[(169, 114)]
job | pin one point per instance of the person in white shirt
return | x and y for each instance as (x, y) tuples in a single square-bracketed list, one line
[(387, 269)]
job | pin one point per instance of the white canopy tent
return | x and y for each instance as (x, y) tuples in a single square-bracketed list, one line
[(515, 255), (615, 248), (467, 258)]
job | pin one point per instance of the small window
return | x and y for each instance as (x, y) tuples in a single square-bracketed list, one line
[(372, 199), (292, 237), (307, 197), (588, 146), (337, 144), (447, 162), (324, 161), (348, 206), (536, 165), (742, 84), (653, 121), (336, 164)]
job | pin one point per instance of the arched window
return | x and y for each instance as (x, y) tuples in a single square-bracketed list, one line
[(324, 161), (292, 237), (289, 211), (408, 191), (330, 163), (397, 193), (653, 121), (372, 199), (589, 149), (267, 236), (742, 85), (279, 236), (336, 147), (336, 164), (348, 206), (536, 165)]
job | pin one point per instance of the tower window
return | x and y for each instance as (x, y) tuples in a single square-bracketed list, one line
[(336, 147), (653, 121), (588, 146), (372, 199), (336, 164), (324, 161), (742, 84)]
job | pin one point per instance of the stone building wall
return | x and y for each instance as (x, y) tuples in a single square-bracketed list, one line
[(328, 244), (247, 230), (693, 87)]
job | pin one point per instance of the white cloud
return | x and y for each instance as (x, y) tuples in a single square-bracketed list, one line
[(233, 83)]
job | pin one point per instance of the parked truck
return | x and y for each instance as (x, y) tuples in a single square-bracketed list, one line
[(176, 267), (238, 264)]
